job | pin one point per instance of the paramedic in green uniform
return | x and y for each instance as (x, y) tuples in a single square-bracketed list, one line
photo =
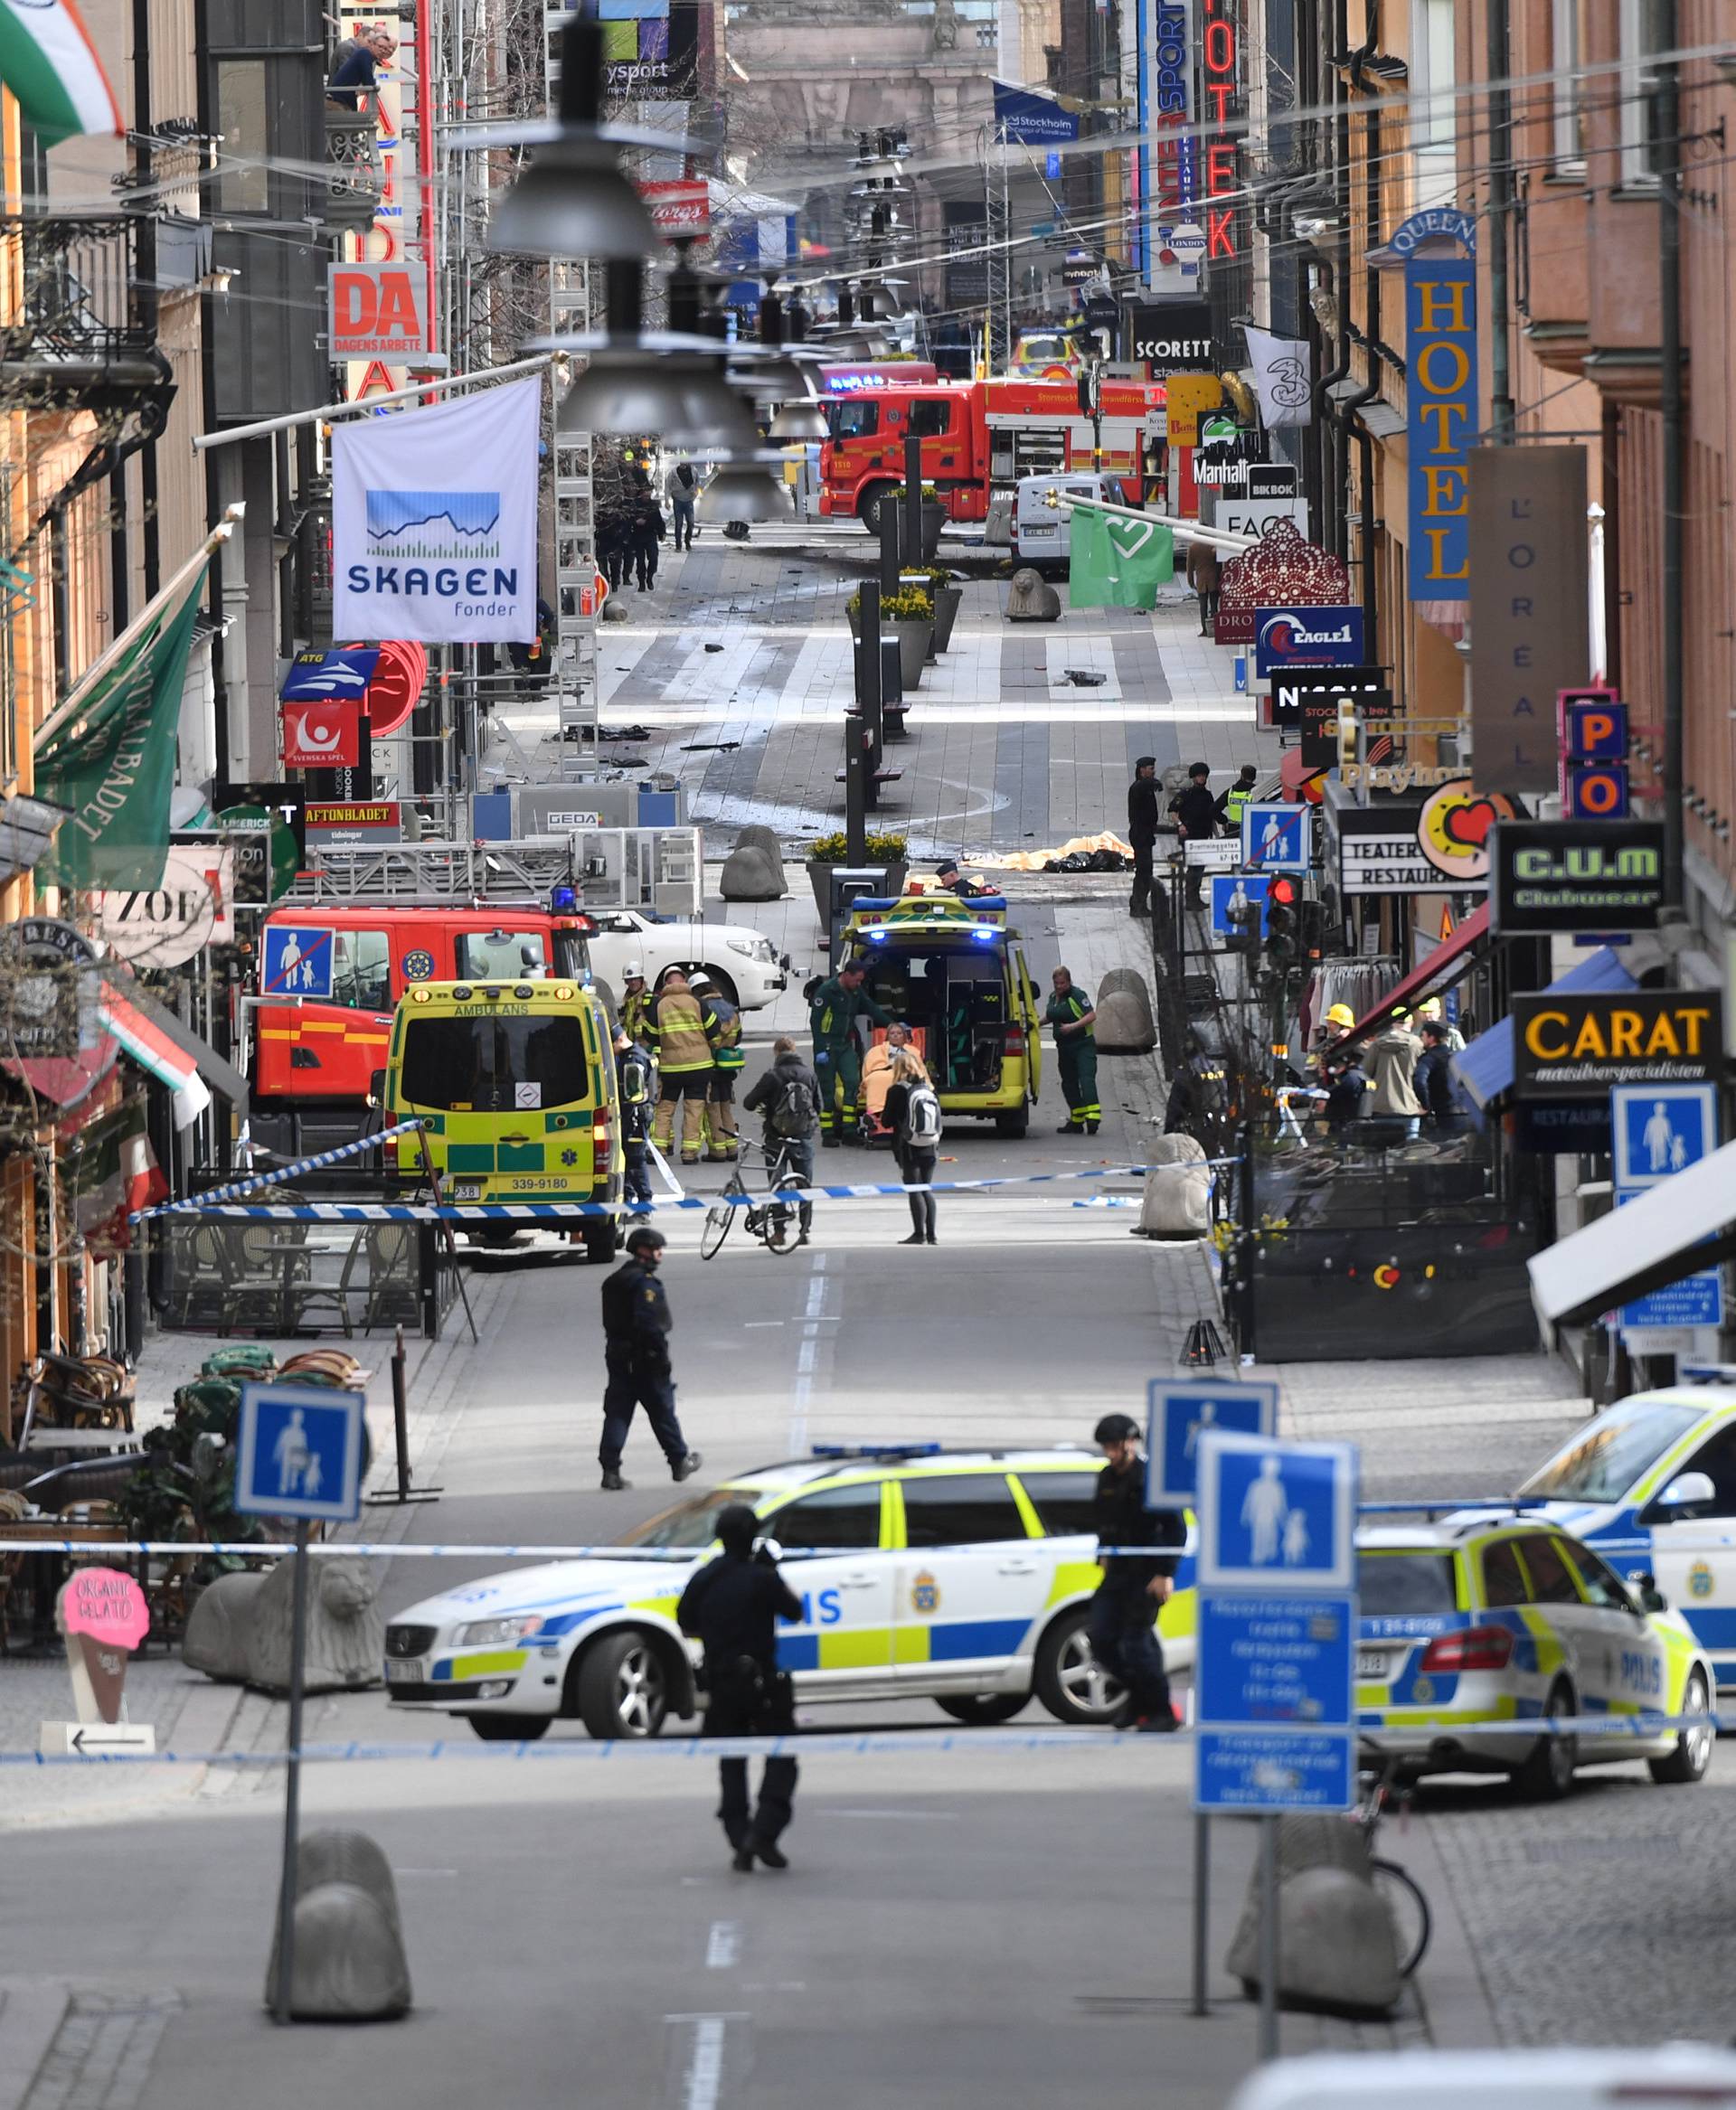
[(1073, 1016), (837, 1004)]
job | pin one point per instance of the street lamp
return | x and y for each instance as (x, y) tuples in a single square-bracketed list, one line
[(671, 383), (573, 200), (745, 488)]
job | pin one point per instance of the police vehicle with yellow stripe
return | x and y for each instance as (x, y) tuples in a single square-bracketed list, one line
[(1468, 1622), (960, 1577), (1650, 1484)]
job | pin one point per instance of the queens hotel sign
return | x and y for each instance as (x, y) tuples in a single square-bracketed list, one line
[(1440, 343)]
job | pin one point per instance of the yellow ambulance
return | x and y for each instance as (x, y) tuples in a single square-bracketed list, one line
[(515, 1083)]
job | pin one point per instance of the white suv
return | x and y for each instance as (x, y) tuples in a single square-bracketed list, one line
[(744, 966)]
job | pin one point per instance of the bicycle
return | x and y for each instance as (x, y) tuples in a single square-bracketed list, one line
[(1407, 1907), (776, 1224)]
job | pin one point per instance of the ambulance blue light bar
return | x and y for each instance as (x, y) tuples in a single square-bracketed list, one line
[(876, 1450)]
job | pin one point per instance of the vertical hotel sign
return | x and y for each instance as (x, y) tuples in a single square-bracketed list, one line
[(1219, 90), (1441, 351)]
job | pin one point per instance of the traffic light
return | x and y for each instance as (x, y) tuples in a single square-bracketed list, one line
[(1283, 940)]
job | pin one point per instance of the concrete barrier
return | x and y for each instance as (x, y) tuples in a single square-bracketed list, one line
[(1032, 599), (751, 873), (219, 1626), (346, 1633), (350, 1961), (1336, 1950), (756, 837), (1177, 1199), (1125, 1024)]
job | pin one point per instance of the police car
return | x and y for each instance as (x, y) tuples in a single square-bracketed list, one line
[(1650, 1484), (960, 1577), (1472, 1622)]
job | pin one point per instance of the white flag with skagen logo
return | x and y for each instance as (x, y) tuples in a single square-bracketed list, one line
[(1281, 379), (434, 521)]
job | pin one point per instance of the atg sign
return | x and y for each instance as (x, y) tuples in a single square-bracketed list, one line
[(434, 521), (1576, 875), (1305, 636)]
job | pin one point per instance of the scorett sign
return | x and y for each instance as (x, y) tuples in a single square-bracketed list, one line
[(1576, 875)]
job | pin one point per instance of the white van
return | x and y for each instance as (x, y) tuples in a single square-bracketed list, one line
[(1041, 535), (1516, 2080)]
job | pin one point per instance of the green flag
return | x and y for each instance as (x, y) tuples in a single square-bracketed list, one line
[(1117, 563), (109, 751)]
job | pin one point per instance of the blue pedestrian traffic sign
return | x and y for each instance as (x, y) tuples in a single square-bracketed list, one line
[(297, 961), (1180, 1413), (1660, 1130), (1275, 1660), (1254, 1770), (1226, 886), (1276, 1515), (299, 1453), (1277, 838)]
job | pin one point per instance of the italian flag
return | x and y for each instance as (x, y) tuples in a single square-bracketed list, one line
[(50, 64)]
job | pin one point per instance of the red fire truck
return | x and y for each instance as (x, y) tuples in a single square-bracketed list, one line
[(978, 438)]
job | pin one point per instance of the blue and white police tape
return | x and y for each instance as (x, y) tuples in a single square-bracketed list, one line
[(845, 1743), (379, 1550), (235, 1189), (218, 1202)]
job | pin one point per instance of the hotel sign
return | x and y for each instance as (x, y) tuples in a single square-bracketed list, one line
[(1441, 343)]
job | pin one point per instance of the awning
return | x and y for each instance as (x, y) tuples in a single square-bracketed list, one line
[(159, 1042), (1449, 960), (1486, 1068), (1672, 1231)]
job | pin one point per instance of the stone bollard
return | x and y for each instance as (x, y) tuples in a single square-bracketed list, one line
[(1032, 599), (219, 1626), (1125, 1024), (350, 1961), (616, 610), (1115, 978), (756, 837), (346, 1636), (1177, 1200), (750, 874), (1336, 1950)]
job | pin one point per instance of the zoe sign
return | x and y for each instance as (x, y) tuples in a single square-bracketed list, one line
[(377, 311)]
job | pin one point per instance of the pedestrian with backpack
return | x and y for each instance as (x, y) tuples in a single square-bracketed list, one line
[(913, 1113), (788, 1095)]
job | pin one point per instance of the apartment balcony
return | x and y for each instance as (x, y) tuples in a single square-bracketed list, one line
[(355, 176), (79, 330)]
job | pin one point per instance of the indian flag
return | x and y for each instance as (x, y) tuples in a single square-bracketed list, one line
[(50, 64)]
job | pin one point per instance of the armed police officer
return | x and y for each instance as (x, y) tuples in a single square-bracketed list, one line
[(635, 1328), (729, 1607), (1124, 1611)]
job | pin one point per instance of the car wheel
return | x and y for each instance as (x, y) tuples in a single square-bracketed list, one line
[(1693, 1753), (1547, 1774), (509, 1729), (1013, 1124), (1070, 1681), (602, 1239), (982, 1709), (623, 1688)]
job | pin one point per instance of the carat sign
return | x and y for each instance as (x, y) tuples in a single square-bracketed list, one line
[(377, 311)]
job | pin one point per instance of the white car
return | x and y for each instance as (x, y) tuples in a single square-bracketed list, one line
[(1041, 533), (961, 1576), (744, 966)]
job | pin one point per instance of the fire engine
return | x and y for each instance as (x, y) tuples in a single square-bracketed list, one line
[(337, 954), (978, 439)]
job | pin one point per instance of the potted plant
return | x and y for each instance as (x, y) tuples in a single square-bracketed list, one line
[(909, 615), (934, 517), (947, 599), (824, 851)]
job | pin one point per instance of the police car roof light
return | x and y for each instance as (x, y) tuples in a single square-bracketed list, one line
[(876, 1450), (1706, 1373), (1438, 1505)]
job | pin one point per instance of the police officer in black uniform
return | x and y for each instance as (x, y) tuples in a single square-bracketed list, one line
[(729, 1607), (635, 1328), (1124, 1611)]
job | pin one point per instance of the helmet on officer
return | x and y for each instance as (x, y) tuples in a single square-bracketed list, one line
[(698, 981), (738, 1527), (634, 970), (1116, 1428), (643, 1242), (1341, 1014)]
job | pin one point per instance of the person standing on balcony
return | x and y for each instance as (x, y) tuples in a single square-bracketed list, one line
[(355, 72)]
